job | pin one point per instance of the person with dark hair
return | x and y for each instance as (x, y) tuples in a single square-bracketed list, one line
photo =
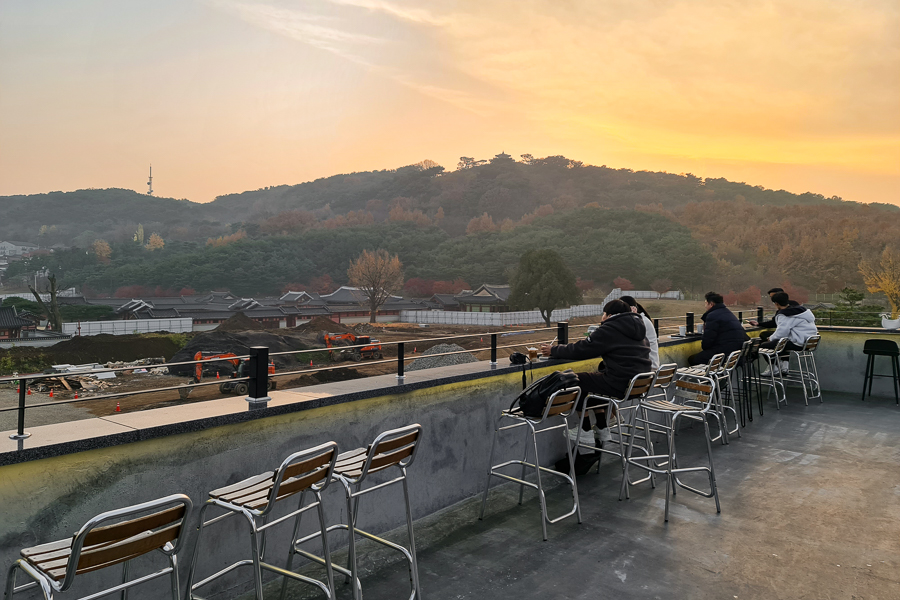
[(796, 323), (652, 337), (621, 341), (722, 332), (770, 324)]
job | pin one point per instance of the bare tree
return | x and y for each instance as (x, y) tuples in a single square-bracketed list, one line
[(52, 312), (377, 275)]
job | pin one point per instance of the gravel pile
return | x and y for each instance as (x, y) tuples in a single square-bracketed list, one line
[(441, 361)]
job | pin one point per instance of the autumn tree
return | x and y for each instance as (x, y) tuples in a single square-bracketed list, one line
[(450, 287), (884, 277), (483, 224), (139, 235), (322, 284), (102, 250), (543, 281), (623, 284), (661, 286), (155, 242), (377, 275)]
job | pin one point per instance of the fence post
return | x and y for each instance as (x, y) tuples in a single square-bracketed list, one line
[(20, 432), (259, 377), (689, 322), (562, 332), (400, 361), (493, 350), (760, 316)]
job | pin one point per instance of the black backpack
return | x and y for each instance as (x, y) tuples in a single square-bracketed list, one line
[(533, 399)]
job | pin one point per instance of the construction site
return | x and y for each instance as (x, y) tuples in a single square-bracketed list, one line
[(82, 363)]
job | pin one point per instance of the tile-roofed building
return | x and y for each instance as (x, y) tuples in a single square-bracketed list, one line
[(445, 301), (487, 298), (11, 325)]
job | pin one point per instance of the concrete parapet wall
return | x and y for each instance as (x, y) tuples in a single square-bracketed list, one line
[(51, 498)]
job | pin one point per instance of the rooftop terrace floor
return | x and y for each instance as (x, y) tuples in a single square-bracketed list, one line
[(810, 509)]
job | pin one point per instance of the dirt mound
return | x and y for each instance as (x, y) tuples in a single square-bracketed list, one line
[(238, 322), (318, 324), (101, 349), (239, 343), (367, 329)]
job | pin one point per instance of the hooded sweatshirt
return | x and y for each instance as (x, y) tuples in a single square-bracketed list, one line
[(621, 341), (795, 323)]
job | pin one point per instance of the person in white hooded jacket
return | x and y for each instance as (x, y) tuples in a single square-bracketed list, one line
[(795, 323)]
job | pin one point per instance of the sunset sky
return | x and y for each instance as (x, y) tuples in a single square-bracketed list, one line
[(223, 96)]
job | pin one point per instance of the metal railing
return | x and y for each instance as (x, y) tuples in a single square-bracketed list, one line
[(258, 373), (257, 377)]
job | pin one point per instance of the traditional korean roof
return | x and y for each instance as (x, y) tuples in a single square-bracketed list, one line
[(10, 320), (486, 294)]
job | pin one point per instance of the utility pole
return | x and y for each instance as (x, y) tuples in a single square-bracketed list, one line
[(150, 182)]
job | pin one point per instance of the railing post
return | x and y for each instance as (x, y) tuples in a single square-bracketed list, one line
[(259, 377), (562, 332), (689, 322), (656, 326), (493, 350), (760, 314), (400, 361), (20, 432)]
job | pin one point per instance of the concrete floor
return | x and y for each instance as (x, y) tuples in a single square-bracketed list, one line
[(810, 510)]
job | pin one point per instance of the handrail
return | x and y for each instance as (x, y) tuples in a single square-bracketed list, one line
[(258, 378), (261, 377)]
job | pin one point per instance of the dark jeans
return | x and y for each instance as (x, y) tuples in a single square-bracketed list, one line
[(595, 383), (787, 348)]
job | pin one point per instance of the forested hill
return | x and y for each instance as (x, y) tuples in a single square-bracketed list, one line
[(78, 218), (469, 224), (503, 189)]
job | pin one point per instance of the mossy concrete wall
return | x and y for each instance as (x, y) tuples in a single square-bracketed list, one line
[(49, 499)]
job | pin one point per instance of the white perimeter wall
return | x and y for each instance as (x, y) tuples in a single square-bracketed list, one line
[(128, 327), (524, 317)]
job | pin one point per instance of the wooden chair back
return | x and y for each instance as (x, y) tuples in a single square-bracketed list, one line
[(98, 545)]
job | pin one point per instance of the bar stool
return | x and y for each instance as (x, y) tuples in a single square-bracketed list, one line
[(699, 391), (749, 375), (774, 381), (889, 348), (718, 412), (255, 498), (111, 538), (560, 404), (724, 384), (394, 448), (624, 428), (807, 373)]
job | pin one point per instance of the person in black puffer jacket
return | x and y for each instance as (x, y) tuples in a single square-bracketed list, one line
[(722, 332), (621, 341)]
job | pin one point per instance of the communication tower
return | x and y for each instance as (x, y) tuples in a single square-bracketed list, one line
[(150, 182)]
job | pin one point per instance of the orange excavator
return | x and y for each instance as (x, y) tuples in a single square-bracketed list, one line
[(238, 388), (370, 348)]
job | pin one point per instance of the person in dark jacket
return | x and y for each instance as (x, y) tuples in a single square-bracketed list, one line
[(722, 332), (621, 341)]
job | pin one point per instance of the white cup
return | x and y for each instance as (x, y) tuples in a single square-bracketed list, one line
[(682, 330), (700, 328)]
